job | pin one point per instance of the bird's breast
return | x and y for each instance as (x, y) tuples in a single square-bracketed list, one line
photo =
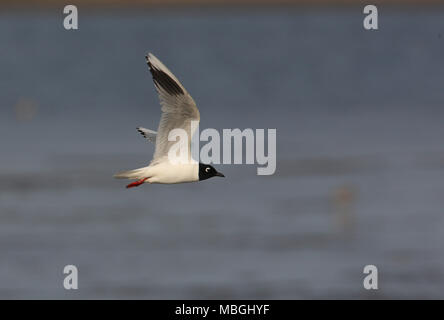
[(174, 173)]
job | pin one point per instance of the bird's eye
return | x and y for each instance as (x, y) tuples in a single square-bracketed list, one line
[(207, 170)]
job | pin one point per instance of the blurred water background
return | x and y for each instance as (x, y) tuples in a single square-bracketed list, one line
[(360, 175)]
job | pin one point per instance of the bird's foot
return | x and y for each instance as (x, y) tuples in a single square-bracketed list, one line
[(136, 183)]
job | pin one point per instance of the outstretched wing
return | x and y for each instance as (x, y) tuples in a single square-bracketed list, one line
[(150, 135), (178, 107)]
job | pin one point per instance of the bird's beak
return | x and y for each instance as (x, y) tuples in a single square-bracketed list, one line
[(220, 175)]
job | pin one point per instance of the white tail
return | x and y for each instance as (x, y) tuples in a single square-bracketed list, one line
[(132, 174)]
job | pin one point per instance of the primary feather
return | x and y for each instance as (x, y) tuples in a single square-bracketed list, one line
[(150, 135)]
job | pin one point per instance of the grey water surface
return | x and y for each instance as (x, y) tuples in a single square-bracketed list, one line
[(360, 154)]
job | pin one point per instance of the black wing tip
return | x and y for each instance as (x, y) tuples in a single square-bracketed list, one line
[(163, 80), (141, 132)]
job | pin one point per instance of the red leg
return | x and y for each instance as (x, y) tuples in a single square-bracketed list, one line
[(136, 183)]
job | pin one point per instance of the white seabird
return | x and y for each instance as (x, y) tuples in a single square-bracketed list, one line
[(178, 111)]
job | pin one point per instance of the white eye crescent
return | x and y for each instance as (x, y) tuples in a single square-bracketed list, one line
[(207, 170)]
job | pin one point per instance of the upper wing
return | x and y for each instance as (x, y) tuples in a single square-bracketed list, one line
[(178, 107)]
